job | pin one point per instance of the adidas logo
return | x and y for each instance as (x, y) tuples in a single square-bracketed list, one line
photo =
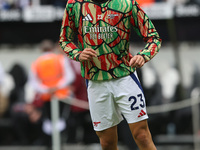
[(87, 18), (142, 113)]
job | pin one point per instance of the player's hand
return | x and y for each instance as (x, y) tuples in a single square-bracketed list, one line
[(87, 54), (137, 61)]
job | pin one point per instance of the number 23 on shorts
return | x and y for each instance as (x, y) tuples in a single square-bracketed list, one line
[(135, 99)]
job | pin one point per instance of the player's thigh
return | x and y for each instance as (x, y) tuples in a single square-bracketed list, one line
[(140, 127), (103, 110)]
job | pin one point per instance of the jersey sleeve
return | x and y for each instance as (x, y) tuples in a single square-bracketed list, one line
[(67, 33), (145, 29)]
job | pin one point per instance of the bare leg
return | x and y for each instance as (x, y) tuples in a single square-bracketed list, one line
[(142, 135), (108, 138)]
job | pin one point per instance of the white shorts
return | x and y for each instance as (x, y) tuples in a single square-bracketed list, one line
[(109, 100)]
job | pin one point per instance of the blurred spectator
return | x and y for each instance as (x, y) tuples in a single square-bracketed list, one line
[(7, 4), (181, 115), (153, 90), (79, 124), (17, 100), (27, 122), (145, 2), (23, 3), (3, 101), (6, 85), (196, 79), (169, 81), (20, 78), (15, 80), (1, 74), (152, 86), (51, 75), (14, 4), (79, 118)]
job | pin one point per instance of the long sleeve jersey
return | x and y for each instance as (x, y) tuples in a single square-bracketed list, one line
[(105, 26)]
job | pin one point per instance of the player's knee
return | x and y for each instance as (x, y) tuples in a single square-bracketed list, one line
[(107, 143), (142, 137)]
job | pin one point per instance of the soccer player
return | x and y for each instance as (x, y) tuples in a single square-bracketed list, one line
[(103, 29)]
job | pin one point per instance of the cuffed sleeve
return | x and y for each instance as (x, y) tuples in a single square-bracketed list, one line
[(145, 29), (67, 34)]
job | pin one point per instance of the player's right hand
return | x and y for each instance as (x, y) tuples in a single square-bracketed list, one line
[(137, 61), (87, 54)]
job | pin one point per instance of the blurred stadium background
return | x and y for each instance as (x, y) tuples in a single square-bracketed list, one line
[(171, 80)]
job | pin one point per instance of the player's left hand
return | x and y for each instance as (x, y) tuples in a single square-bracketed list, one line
[(137, 61)]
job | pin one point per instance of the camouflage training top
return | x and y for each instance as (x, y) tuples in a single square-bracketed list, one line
[(106, 27)]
